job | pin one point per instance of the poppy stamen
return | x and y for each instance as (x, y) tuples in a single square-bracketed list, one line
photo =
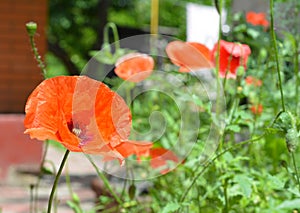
[(76, 131)]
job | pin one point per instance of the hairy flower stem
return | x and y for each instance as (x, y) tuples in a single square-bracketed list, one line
[(105, 181), (276, 52), (37, 56), (56, 180)]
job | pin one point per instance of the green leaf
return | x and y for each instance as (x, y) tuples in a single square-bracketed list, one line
[(273, 131), (75, 198), (290, 204), (171, 207), (253, 33), (47, 171), (276, 183), (197, 100), (294, 191), (233, 128), (244, 115), (74, 206), (245, 184)]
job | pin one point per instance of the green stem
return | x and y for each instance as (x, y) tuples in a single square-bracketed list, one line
[(40, 174), (213, 160), (276, 52), (296, 170), (296, 71), (31, 198), (105, 181), (56, 180), (114, 29), (219, 6), (37, 56), (125, 180), (68, 181), (225, 195)]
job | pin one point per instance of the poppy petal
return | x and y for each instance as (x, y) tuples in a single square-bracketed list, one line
[(48, 111), (188, 56), (138, 148), (160, 158), (134, 67), (232, 56), (201, 48), (82, 114), (110, 121), (257, 19)]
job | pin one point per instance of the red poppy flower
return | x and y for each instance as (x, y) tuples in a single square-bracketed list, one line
[(253, 81), (257, 109), (160, 157), (257, 19), (232, 55), (82, 114), (134, 67), (189, 56)]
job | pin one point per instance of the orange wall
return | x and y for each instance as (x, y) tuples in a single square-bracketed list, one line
[(19, 73)]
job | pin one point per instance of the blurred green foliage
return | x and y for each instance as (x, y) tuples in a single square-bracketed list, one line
[(76, 27), (255, 177)]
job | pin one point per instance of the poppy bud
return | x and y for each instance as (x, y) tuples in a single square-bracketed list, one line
[(283, 163), (131, 191), (31, 28), (292, 139), (240, 91), (240, 71), (263, 53), (285, 121)]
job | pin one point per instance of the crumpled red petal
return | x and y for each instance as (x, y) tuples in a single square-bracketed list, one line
[(82, 114), (48, 109), (232, 55)]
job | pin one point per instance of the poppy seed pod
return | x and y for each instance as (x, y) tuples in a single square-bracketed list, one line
[(292, 139)]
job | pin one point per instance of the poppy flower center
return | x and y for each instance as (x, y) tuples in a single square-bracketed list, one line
[(76, 131), (79, 132)]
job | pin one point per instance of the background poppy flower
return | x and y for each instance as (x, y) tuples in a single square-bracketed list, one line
[(257, 109), (257, 19), (160, 158), (134, 67), (232, 55), (82, 114), (250, 80), (189, 56)]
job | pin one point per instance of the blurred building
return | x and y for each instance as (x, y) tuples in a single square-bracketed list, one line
[(19, 73)]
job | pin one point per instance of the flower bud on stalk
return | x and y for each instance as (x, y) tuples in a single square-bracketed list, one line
[(31, 28), (289, 126)]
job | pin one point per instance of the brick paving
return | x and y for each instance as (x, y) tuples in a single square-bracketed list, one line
[(15, 189)]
